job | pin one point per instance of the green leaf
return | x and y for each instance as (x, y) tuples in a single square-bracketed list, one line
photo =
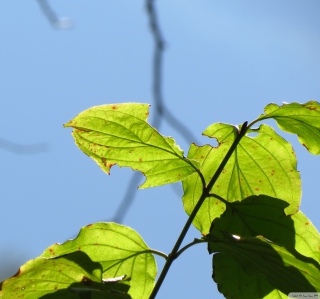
[(52, 278), (264, 164), (293, 237), (300, 119), (120, 251), (119, 134), (254, 268), (105, 290), (243, 286), (263, 215)]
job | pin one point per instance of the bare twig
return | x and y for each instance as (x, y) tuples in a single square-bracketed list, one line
[(23, 149), (162, 112), (128, 198), (161, 109), (55, 21)]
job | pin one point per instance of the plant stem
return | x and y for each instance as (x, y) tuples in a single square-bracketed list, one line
[(195, 241), (205, 193), (156, 252)]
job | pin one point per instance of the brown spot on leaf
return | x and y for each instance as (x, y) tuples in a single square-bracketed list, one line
[(257, 189), (55, 287), (104, 161), (109, 165), (305, 146), (51, 251), (79, 248), (307, 223), (89, 225), (312, 108), (140, 159), (114, 107)]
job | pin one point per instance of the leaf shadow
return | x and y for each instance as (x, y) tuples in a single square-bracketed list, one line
[(263, 216), (87, 288)]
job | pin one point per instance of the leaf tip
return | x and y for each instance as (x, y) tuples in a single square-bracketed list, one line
[(68, 124), (107, 165)]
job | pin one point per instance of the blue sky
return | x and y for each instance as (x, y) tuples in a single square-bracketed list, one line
[(224, 61)]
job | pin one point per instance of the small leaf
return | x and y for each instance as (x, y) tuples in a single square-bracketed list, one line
[(120, 251), (52, 278), (265, 164), (119, 134), (300, 119), (254, 268)]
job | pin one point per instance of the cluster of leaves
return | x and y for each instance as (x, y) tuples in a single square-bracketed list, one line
[(243, 196)]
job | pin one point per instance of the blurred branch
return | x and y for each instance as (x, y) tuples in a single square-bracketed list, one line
[(128, 198), (55, 21), (162, 112), (23, 149)]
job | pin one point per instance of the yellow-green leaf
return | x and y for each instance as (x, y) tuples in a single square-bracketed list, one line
[(264, 164), (119, 134), (120, 250), (55, 278), (300, 119)]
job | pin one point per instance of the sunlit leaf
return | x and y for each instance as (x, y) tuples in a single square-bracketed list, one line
[(254, 268), (120, 251), (300, 119), (53, 278), (119, 134), (264, 164)]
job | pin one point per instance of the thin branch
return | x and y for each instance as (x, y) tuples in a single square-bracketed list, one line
[(227, 203), (204, 195), (54, 20), (128, 198), (195, 241), (162, 112), (23, 149)]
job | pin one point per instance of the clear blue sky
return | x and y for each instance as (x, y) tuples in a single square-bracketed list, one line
[(224, 61)]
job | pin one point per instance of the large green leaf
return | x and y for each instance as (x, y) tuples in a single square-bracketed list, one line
[(264, 164), (256, 268), (53, 278), (263, 215), (120, 251), (247, 268), (300, 119), (119, 134)]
